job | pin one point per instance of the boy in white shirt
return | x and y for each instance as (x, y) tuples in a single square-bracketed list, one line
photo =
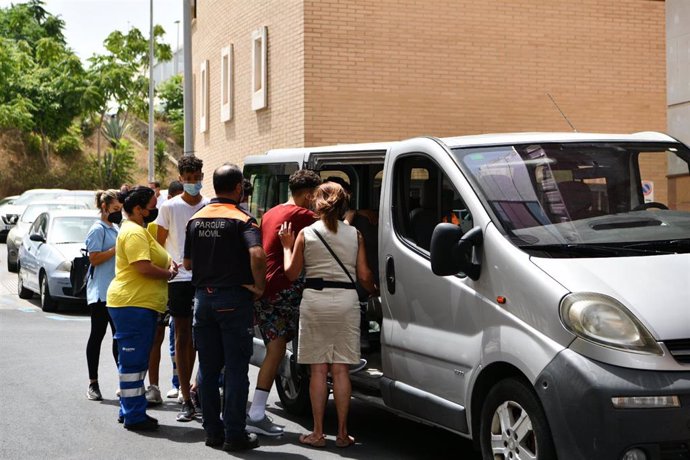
[(172, 224)]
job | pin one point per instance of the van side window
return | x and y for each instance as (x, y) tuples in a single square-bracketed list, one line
[(423, 197), (270, 182)]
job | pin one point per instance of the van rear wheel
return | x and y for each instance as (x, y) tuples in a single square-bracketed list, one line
[(292, 384), (513, 425)]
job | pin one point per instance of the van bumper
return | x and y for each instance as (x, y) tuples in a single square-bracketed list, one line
[(576, 394)]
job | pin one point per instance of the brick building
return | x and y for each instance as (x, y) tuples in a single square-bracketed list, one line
[(287, 73)]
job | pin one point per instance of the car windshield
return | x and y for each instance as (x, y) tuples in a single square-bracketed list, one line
[(33, 210), (27, 198), (70, 229), (559, 195)]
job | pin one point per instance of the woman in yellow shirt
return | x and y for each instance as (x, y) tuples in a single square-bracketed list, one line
[(136, 295)]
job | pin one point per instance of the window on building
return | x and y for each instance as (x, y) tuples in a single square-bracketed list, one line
[(226, 78), (259, 61), (203, 97)]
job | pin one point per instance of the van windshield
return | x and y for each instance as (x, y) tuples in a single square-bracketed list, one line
[(585, 199)]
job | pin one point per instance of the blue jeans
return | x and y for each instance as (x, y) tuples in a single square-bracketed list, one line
[(175, 378), (135, 328), (222, 331)]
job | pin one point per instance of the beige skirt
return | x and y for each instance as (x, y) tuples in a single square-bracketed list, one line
[(329, 327)]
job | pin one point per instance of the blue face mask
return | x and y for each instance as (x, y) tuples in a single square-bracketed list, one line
[(192, 189)]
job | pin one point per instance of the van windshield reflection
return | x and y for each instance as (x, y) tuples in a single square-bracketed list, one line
[(563, 197)]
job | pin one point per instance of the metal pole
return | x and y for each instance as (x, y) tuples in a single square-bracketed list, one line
[(177, 47), (151, 125), (188, 87)]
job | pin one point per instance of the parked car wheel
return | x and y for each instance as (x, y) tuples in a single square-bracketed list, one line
[(11, 267), (48, 303), (293, 385), (22, 292), (513, 424)]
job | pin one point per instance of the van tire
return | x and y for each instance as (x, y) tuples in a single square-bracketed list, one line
[(48, 303), (293, 391), (515, 399)]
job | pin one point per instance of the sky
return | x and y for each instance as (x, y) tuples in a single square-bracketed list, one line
[(88, 22)]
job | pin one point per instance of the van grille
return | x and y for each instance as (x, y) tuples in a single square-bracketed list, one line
[(680, 349)]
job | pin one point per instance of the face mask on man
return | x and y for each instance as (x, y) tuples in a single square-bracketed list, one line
[(153, 213), (115, 217), (193, 188)]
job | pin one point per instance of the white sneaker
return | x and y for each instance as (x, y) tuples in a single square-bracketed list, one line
[(173, 393), (153, 395), (117, 393), (180, 399)]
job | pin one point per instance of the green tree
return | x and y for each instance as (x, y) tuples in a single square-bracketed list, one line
[(42, 79), (160, 158), (171, 94), (117, 79)]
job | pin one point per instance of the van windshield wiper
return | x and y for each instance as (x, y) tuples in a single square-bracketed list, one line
[(667, 246), (588, 250)]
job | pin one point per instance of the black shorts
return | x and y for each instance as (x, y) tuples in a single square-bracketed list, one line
[(181, 299)]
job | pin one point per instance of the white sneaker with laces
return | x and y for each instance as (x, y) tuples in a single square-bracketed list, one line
[(173, 393), (153, 395)]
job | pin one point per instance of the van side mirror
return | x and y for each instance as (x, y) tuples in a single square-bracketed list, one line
[(451, 251), (37, 237)]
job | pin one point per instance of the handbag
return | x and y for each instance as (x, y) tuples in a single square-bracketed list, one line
[(353, 286), (80, 272)]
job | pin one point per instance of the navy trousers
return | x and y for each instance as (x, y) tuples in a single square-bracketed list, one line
[(135, 328), (222, 330)]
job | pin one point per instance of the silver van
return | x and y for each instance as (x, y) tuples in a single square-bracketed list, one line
[(532, 298)]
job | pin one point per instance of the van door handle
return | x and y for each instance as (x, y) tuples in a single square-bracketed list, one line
[(390, 275)]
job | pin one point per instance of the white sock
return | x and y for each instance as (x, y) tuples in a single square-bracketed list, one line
[(258, 409)]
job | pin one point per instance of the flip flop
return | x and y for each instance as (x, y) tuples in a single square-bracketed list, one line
[(309, 440), (344, 442)]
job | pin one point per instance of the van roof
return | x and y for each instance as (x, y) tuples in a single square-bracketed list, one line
[(299, 153)]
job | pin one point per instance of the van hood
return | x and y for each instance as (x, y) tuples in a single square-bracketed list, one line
[(69, 251), (656, 289)]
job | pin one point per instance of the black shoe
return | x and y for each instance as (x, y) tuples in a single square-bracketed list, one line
[(120, 419), (215, 441), (194, 396), (187, 413), (245, 442), (94, 393), (149, 424)]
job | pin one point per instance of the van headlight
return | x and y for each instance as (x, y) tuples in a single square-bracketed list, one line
[(603, 320)]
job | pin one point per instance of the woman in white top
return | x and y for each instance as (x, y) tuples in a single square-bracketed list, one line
[(329, 311)]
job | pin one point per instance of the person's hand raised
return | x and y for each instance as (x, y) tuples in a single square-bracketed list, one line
[(286, 235)]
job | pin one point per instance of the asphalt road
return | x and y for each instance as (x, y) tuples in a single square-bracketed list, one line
[(45, 414)]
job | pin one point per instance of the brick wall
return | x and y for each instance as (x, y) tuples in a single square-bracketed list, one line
[(394, 69), (220, 23), (345, 71)]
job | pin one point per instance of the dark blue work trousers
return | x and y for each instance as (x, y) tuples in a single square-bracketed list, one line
[(135, 328), (222, 328)]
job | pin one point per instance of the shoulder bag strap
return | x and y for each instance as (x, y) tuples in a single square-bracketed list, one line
[(334, 256)]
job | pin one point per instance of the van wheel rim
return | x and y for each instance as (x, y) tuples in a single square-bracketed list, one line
[(512, 433), (44, 287)]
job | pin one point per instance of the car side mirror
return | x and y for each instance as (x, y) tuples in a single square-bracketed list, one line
[(37, 237), (452, 252)]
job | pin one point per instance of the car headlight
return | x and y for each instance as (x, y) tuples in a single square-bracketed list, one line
[(17, 241), (65, 266), (603, 320)]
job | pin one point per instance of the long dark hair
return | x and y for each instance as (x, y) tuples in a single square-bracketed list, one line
[(138, 196)]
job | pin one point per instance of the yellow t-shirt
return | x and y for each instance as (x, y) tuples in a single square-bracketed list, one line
[(129, 288)]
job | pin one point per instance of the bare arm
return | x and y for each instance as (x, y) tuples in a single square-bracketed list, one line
[(187, 264), (257, 259), (364, 274), (293, 256), (161, 235), (99, 257), (147, 269)]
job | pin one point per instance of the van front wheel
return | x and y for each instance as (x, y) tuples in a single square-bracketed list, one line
[(513, 425)]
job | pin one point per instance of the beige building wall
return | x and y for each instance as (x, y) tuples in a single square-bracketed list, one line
[(220, 23), (343, 71), (392, 69)]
